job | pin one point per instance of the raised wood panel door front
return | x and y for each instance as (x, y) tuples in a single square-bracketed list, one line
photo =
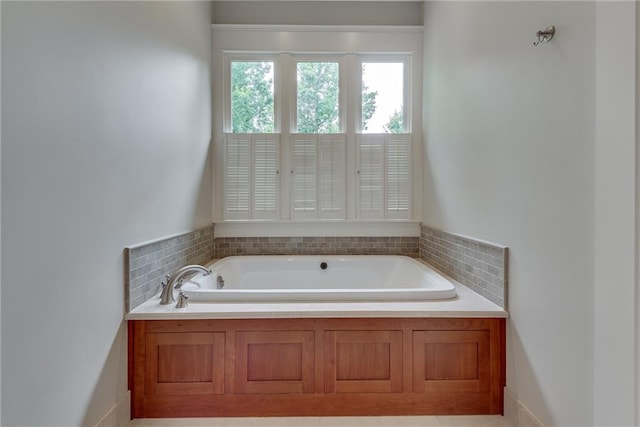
[(274, 362), (184, 363), (363, 361), (451, 361)]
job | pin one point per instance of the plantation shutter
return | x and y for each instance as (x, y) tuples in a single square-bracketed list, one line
[(303, 177), (251, 176), (331, 170), (265, 177), (318, 176), (384, 176), (237, 169), (398, 158), (370, 177)]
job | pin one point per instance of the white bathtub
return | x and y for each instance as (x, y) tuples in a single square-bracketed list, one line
[(302, 278)]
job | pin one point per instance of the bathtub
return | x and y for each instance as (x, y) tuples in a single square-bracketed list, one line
[(319, 278)]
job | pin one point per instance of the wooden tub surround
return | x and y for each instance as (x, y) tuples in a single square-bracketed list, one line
[(317, 366)]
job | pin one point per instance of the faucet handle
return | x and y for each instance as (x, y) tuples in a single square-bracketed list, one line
[(182, 300), (164, 284)]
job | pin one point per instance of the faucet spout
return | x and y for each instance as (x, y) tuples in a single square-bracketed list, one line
[(167, 292)]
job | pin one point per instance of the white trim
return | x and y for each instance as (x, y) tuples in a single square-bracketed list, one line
[(119, 414), (516, 414), (229, 58), (332, 228), (407, 85), (319, 28), (316, 39), (342, 82)]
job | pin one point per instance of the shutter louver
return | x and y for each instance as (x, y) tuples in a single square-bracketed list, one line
[(237, 176), (251, 176), (331, 171), (398, 159), (371, 177), (265, 177), (318, 176), (303, 180), (384, 176)]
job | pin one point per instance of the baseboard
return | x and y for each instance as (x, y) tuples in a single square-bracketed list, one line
[(516, 414), (119, 414)]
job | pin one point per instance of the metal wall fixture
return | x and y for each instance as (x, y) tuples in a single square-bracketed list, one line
[(545, 36)]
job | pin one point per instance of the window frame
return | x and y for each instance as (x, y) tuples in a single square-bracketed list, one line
[(231, 57), (284, 44), (342, 79), (382, 58)]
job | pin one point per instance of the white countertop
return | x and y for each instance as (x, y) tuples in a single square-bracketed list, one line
[(466, 304)]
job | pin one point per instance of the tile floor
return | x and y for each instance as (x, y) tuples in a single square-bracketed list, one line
[(409, 421)]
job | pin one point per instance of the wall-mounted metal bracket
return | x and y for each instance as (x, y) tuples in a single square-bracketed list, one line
[(545, 36)]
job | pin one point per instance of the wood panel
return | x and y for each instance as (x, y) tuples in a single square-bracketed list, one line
[(311, 367), (274, 361), (319, 404), (451, 361), (363, 361), (187, 363)]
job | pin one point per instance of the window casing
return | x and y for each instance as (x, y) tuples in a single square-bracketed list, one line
[(324, 172), (264, 120), (389, 77), (318, 101)]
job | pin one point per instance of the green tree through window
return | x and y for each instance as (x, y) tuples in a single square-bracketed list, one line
[(318, 97), (318, 105), (394, 125), (252, 106)]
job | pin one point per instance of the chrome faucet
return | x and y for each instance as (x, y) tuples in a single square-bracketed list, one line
[(167, 291)]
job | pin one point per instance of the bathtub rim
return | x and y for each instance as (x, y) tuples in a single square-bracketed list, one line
[(467, 304), (440, 291)]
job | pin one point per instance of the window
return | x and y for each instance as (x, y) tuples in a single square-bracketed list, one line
[(317, 100), (252, 97), (382, 106), (337, 122)]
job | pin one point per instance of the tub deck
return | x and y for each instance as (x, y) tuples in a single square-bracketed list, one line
[(466, 304)]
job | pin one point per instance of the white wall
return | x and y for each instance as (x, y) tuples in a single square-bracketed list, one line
[(637, 404), (615, 333), (510, 148), (107, 121)]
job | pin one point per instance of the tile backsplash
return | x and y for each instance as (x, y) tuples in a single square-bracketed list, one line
[(146, 264), (228, 246), (479, 265)]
